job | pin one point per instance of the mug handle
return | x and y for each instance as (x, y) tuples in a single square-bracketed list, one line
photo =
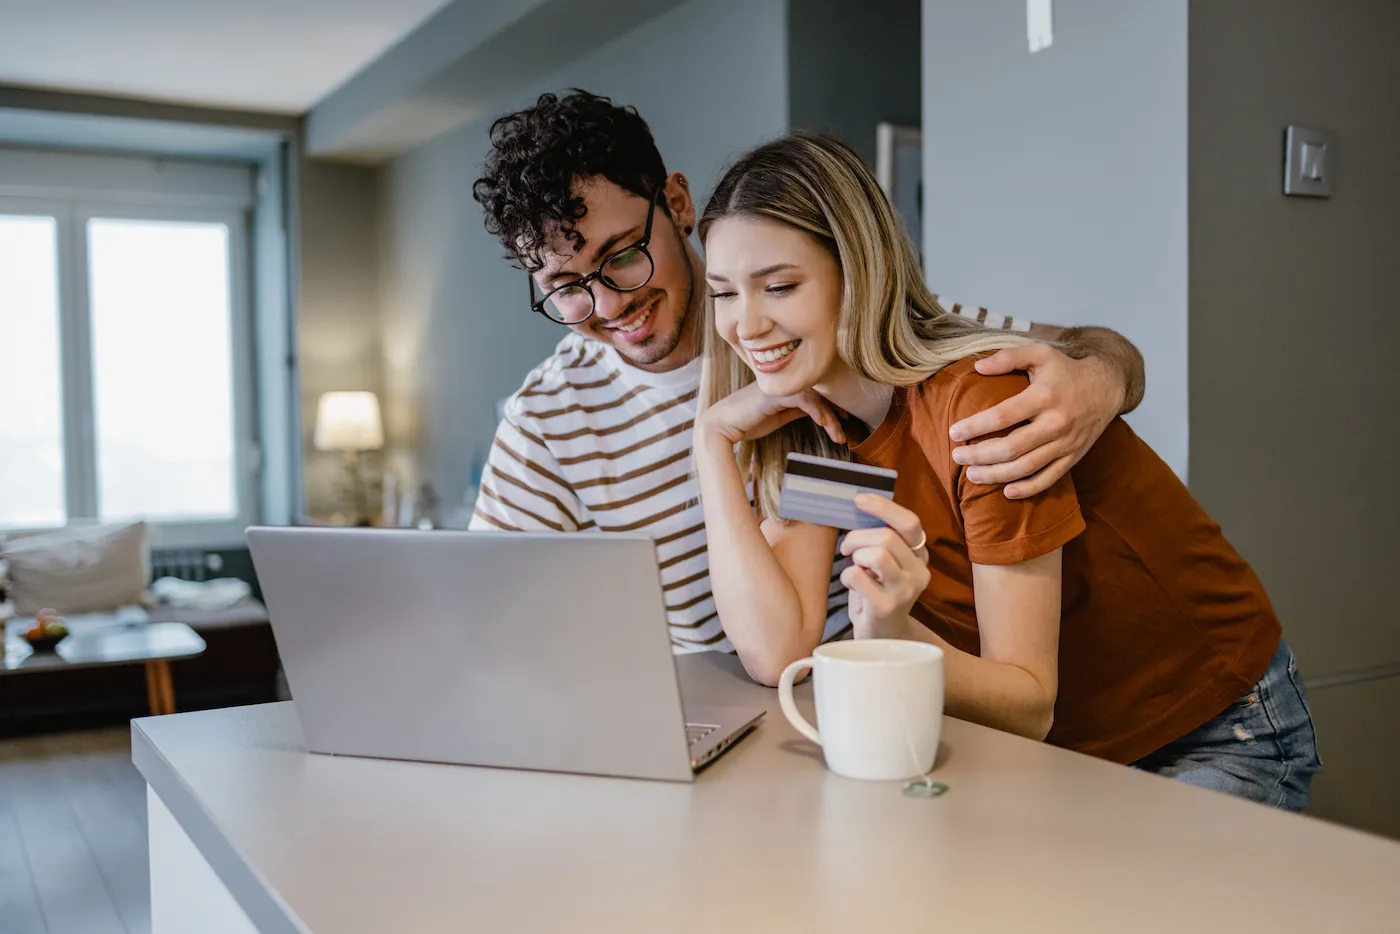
[(790, 710)]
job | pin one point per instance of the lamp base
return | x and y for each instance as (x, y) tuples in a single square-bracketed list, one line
[(359, 493)]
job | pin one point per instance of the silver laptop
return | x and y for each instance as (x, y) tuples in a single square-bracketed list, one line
[(521, 650)]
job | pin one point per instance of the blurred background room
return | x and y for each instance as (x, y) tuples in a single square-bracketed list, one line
[(243, 281)]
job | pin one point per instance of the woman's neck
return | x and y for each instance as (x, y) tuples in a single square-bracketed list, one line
[(859, 397)]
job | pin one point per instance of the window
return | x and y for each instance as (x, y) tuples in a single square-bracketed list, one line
[(162, 343), (127, 361)]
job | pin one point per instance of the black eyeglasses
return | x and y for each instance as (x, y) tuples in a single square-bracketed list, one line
[(624, 270)]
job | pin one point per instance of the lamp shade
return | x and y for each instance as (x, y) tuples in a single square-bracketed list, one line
[(348, 421)]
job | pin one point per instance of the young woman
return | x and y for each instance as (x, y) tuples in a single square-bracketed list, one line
[(1107, 614)]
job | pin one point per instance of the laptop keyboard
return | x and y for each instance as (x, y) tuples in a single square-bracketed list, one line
[(695, 732)]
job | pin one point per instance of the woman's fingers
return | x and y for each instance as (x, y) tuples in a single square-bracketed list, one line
[(884, 538), (864, 538), (879, 562), (859, 580), (902, 520), (902, 533), (785, 416), (820, 412), (769, 413)]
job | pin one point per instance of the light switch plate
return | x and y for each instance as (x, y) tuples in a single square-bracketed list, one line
[(1309, 162)]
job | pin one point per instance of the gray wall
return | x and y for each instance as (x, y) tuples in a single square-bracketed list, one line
[(710, 78), (338, 312), (1295, 415), (851, 66), (1055, 184)]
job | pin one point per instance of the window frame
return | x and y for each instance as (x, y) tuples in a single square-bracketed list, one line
[(71, 215), (52, 209)]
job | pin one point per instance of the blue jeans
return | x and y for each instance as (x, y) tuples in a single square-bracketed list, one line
[(1262, 747)]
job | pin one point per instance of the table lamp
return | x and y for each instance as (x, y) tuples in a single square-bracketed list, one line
[(349, 422)]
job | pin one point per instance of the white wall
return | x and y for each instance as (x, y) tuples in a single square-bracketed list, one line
[(1055, 184), (710, 79)]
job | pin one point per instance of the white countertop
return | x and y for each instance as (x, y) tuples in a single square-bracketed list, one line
[(1028, 838)]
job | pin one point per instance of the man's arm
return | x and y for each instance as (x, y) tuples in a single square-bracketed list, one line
[(1078, 385), (522, 487), (1107, 347), (1103, 345)]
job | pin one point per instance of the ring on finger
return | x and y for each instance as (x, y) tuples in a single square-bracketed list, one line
[(923, 540)]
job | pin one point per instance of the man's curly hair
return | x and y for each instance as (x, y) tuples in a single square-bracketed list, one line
[(537, 156)]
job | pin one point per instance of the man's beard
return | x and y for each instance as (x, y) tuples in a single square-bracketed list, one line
[(659, 346)]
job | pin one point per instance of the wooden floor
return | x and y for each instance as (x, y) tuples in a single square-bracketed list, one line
[(73, 856)]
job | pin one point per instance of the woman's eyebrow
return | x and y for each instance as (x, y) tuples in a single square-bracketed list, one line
[(756, 274)]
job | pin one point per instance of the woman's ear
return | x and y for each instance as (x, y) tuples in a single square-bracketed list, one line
[(680, 203)]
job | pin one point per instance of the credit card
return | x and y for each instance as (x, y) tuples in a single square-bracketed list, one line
[(823, 491)]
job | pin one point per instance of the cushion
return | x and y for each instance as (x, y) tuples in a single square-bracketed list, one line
[(78, 570)]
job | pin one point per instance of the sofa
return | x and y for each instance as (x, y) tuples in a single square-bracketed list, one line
[(239, 666)]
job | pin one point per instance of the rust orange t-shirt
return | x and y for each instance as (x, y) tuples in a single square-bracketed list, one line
[(1162, 624)]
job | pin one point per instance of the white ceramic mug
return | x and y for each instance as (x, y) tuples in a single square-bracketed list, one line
[(879, 706)]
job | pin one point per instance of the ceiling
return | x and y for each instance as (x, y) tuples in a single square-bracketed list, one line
[(280, 56)]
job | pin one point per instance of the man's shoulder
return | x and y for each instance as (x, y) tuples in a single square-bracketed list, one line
[(982, 316), (576, 366)]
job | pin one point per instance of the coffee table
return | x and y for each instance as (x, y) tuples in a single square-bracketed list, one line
[(155, 644)]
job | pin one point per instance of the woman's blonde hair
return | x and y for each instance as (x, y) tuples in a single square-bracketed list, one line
[(890, 329)]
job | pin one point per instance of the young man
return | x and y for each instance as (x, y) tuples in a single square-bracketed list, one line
[(599, 436)]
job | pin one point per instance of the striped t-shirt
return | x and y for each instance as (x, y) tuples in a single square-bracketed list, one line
[(592, 443)]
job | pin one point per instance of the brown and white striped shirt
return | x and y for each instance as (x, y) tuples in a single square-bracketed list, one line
[(592, 443)]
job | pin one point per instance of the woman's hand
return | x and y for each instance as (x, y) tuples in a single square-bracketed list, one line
[(749, 414), (770, 580), (889, 573)]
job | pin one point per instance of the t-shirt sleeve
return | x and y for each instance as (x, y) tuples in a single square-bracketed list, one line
[(1001, 530), (984, 317)]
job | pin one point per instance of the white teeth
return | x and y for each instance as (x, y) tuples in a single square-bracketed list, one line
[(636, 324), (777, 353)]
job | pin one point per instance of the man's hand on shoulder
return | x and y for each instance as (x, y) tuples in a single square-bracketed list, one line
[(1072, 398)]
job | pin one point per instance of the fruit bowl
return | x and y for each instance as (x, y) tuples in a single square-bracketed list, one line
[(48, 631), (44, 643)]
